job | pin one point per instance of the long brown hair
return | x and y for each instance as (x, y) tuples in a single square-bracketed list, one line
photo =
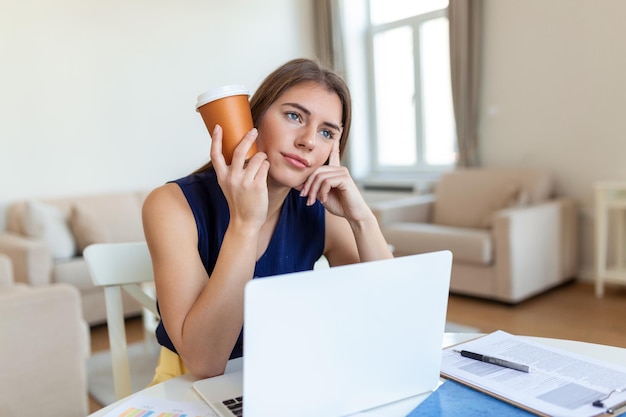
[(290, 74)]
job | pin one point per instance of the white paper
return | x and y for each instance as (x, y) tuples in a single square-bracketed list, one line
[(145, 406), (560, 383)]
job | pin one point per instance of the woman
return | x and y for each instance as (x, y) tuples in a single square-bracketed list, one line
[(278, 212)]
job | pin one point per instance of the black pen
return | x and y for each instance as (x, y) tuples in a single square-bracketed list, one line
[(494, 361)]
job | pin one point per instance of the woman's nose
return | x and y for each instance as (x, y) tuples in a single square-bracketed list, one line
[(306, 139)]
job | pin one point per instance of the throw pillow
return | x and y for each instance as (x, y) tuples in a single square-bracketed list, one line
[(509, 195), (107, 218), (86, 227), (469, 199), (46, 222)]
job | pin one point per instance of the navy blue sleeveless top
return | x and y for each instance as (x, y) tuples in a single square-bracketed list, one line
[(297, 242)]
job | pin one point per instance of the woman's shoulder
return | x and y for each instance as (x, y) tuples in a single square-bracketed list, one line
[(165, 196)]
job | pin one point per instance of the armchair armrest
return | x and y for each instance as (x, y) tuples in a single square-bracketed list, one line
[(414, 209), (535, 246), (31, 259), (45, 337), (6, 271)]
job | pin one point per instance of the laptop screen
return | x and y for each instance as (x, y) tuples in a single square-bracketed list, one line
[(340, 340)]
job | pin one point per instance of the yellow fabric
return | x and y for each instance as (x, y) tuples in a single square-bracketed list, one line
[(170, 366)]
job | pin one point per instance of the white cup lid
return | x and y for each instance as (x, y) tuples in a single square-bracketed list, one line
[(221, 92)]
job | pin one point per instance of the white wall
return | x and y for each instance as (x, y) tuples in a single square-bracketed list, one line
[(99, 95), (554, 92)]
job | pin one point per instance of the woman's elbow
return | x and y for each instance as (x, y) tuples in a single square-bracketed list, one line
[(201, 368)]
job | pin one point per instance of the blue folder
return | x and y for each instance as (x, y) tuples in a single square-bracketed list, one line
[(455, 399)]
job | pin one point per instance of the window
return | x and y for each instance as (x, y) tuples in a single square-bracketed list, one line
[(407, 67), (412, 113)]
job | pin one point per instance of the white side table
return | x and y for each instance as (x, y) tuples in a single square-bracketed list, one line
[(610, 197)]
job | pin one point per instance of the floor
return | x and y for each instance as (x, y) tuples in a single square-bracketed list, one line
[(100, 341), (568, 312)]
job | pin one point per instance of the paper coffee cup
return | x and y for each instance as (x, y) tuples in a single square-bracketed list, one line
[(229, 107)]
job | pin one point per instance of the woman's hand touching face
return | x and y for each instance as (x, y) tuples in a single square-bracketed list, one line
[(333, 186)]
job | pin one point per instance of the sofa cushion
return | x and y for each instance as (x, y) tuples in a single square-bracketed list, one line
[(14, 288), (46, 222), (469, 197), (101, 219), (74, 272), (473, 246), (87, 229), (6, 271)]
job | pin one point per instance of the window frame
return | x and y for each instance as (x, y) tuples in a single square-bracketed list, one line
[(372, 30)]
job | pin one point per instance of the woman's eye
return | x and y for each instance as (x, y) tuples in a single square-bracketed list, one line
[(293, 116), (327, 134)]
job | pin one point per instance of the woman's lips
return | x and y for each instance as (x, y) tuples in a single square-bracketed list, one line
[(296, 161)]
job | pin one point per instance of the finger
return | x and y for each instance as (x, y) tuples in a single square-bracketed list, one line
[(239, 155), (264, 169), (311, 184), (335, 157), (314, 183), (324, 190), (216, 149), (305, 188), (323, 186), (254, 165)]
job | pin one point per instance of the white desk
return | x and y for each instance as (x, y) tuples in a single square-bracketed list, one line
[(180, 389), (610, 197)]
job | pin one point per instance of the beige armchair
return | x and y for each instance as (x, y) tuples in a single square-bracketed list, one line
[(44, 343), (510, 237)]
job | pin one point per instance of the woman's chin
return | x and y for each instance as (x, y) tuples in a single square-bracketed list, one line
[(287, 181)]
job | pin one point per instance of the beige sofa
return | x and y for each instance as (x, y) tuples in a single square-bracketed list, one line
[(43, 348), (511, 238), (45, 239)]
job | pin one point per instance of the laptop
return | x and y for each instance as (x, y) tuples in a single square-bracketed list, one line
[(337, 341)]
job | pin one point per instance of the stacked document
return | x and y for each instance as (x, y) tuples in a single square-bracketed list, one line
[(539, 378)]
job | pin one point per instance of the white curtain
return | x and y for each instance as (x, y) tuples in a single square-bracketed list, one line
[(465, 57), (325, 44)]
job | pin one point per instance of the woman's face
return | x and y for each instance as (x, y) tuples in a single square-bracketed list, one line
[(298, 130)]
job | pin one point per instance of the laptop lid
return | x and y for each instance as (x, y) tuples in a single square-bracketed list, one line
[(336, 341)]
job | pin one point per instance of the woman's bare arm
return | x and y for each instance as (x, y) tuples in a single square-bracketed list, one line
[(202, 316)]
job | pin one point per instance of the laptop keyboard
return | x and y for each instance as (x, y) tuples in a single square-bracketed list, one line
[(235, 405)]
